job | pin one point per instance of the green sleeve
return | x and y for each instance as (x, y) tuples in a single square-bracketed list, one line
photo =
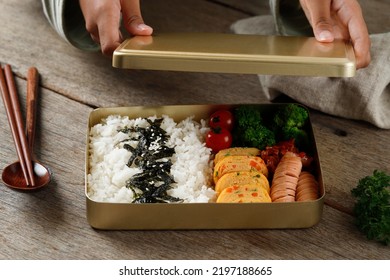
[(66, 18), (289, 18)]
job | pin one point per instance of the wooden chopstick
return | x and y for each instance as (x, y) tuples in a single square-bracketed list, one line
[(12, 123), (32, 92), (11, 103)]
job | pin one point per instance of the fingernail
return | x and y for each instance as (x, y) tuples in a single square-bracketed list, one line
[(325, 36), (142, 27)]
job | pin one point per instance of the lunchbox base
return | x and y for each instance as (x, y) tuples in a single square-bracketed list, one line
[(176, 216), (196, 216)]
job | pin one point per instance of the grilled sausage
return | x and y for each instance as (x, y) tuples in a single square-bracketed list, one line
[(307, 188), (285, 180)]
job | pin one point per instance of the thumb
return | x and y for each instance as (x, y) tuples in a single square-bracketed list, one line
[(318, 13), (132, 18)]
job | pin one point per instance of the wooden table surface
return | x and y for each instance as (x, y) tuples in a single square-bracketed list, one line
[(51, 223)]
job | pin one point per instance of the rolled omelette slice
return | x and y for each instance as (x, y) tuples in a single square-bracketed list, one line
[(252, 177), (239, 163), (244, 194), (236, 151)]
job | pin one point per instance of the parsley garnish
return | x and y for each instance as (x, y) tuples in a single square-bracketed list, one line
[(372, 207)]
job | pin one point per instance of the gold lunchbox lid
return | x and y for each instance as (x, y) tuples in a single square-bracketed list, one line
[(234, 53)]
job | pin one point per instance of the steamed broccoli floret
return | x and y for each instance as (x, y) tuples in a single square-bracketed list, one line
[(289, 123), (250, 131), (256, 128), (258, 137), (301, 139), (247, 116), (290, 116)]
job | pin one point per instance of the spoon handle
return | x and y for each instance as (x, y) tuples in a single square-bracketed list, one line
[(17, 120), (11, 119), (32, 94)]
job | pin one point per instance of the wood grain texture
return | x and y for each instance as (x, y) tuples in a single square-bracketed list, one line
[(348, 151), (51, 223)]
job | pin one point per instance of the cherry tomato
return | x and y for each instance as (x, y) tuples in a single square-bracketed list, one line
[(223, 119), (218, 139)]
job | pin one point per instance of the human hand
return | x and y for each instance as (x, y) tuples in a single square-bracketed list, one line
[(102, 21), (341, 19)]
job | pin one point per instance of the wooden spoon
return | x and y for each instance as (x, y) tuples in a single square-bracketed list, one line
[(12, 175)]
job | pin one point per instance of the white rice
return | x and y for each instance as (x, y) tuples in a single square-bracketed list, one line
[(191, 169)]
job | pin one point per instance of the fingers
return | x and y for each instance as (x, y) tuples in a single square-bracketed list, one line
[(361, 44), (109, 34), (340, 19), (132, 18), (102, 19), (351, 16), (318, 13)]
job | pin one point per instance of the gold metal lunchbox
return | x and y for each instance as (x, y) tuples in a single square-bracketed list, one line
[(129, 216)]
